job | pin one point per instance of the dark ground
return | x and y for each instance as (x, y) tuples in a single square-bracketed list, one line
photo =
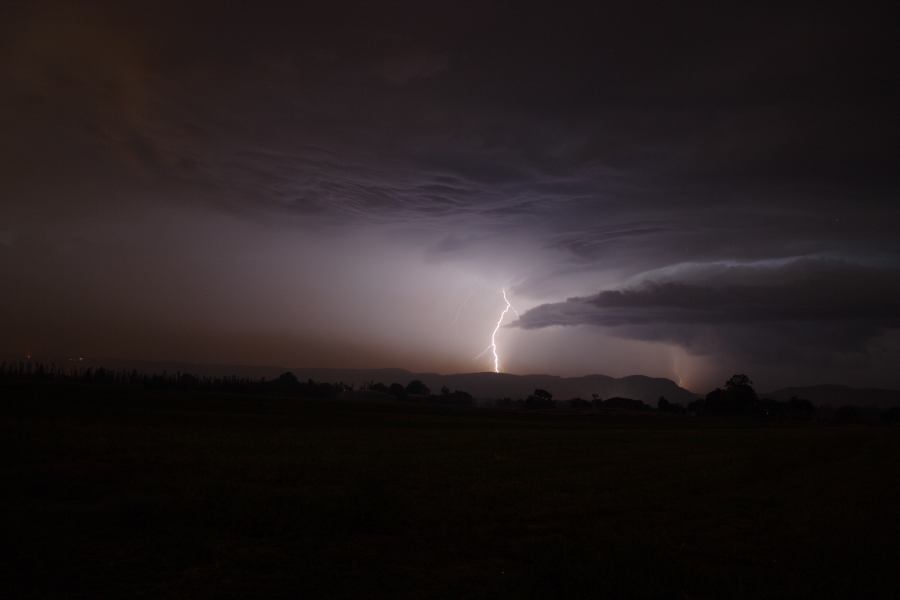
[(117, 493)]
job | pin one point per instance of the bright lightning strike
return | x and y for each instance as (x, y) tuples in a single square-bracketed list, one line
[(493, 345)]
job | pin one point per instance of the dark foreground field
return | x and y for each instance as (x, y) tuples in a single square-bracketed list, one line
[(142, 494)]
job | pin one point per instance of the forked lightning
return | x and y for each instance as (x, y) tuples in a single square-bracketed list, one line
[(497, 328)]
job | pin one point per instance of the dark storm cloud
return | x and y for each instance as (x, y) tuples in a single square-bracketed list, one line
[(365, 110), (369, 189), (762, 310), (405, 67), (552, 148), (591, 243)]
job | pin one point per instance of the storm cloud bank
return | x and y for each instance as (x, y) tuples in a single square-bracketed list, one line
[(806, 309)]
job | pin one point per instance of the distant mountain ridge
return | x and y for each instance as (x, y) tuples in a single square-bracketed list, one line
[(480, 385), (490, 385), (505, 385)]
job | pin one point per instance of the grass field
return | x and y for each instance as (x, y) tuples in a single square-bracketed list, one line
[(112, 493)]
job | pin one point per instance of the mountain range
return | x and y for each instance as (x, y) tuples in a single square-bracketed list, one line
[(505, 385), (479, 385), (491, 385)]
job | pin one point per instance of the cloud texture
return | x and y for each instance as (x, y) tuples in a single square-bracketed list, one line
[(701, 181)]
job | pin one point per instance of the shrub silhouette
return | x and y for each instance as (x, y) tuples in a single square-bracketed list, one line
[(286, 381), (619, 403), (663, 405), (579, 403), (417, 388), (738, 398), (457, 397), (540, 399)]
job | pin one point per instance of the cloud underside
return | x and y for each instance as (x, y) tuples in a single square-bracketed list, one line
[(808, 309)]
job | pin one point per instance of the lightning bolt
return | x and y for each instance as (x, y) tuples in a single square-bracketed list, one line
[(493, 346)]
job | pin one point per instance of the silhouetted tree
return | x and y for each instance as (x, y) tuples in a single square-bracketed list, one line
[(663, 405), (456, 398), (188, 381), (738, 380), (540, 399), (738, 398), (286, 381), (417, 388), (741, 391), (379, 387)]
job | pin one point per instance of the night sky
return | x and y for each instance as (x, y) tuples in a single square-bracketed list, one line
[(674, 189)]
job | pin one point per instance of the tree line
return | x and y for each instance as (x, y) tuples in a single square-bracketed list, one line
[(737, 398), (286, 383)]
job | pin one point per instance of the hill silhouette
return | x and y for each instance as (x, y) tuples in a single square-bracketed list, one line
[(505, 385), (484, 385)]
